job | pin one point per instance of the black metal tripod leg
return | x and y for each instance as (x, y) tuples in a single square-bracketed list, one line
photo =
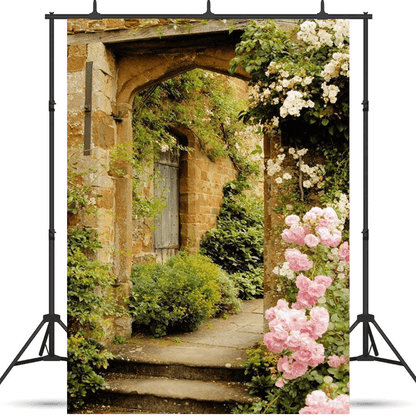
[(373, 342), (45, 339), (354, 325), (394, 350), (22, 351), (63, 325)]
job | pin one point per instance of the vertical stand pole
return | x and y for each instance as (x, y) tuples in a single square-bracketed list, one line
[(51, 318), (365, 318)]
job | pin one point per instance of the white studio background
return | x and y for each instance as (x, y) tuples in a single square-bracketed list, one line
[(40, 388)]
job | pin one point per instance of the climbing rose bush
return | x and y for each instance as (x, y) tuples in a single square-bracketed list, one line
[(319, 403), (298, 330)]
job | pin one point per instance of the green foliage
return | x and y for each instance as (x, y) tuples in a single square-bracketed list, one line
[(88, 281), (84, 355), (200, 100), (250, 283), (236, 245), (177, 296), (90, 294)]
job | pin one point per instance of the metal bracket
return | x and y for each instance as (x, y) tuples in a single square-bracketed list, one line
[(366, 105), (366, 234), (88, 108), (117, 118)]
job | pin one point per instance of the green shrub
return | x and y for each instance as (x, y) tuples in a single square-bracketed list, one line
[(177, 296), (250, 284), (237, 243), (88, 280), (84, 355)]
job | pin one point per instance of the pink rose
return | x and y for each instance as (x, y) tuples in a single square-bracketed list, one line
[(303, 282), (319, 314), (272, 344), (311, 240), (279, 383), (303, 355), (344, 252), (313, 214), (297, 260), (334, 361), (317, 290), (270, 314), (292, 220), (295, 234), (323, 280)]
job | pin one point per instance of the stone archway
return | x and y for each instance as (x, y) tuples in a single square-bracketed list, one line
[(127, 57)]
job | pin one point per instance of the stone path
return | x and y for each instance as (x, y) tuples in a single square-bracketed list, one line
[(198, 372)]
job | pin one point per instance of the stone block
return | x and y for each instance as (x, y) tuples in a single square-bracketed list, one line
[(76, 82), (76, 63), (103, 131), (101, 102), (77, 50), (76, 102), (97, 53)]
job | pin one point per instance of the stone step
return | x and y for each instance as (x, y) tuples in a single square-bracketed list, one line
[(189, 362), (161, 395)]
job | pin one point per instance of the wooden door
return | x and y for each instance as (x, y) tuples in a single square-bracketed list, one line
[(166, 234)]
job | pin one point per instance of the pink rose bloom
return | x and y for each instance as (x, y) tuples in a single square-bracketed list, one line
[(296, 370), (319, 314), (311, 240), (280, 334), (297, 260), (313, 214), (317, 290), (344, 252), (344, 360), (303, 282), (272, 344), (283, 364), (279, 383), (340, 405), (283, 305), (316, 398), (329, 239), (295, 234), (304, 300), (292, 220), (334, 361), (303, 356), (323, 280), (270, 314), (330, 217)]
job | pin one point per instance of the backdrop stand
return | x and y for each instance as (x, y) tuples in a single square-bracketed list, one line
[(365, 318), (51, 318)]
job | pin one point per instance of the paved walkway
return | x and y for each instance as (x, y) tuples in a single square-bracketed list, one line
[(218, 342)]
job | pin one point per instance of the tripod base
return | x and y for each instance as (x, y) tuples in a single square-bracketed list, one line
[(366, 319), (49, 319)]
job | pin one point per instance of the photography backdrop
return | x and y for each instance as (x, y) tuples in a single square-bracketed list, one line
[(40, 388)]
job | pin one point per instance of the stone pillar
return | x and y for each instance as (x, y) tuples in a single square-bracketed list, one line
[(273, 252)]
